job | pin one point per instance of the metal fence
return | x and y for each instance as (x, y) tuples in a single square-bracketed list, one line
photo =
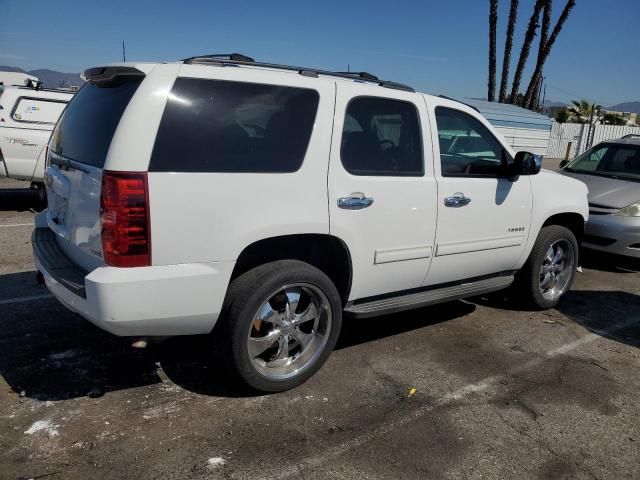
[(576, 134)]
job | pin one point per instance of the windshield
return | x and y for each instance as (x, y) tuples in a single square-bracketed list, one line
[(609, 160)]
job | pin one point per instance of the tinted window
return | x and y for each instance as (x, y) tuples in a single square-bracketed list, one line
[(381, 137), (609, 160), (35, 110), (221, 126), (467, 147), (87, 126)]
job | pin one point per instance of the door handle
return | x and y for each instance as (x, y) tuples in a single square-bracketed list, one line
[(355, 201), (457, 200)]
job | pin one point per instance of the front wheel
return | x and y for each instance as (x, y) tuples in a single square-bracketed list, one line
[(280, 322), (550, 268)]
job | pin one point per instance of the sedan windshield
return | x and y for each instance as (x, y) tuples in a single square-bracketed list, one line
[(609, 160)]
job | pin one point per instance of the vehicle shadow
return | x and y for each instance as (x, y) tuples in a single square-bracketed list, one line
[(612, 314), (50, 353), (19, 199), (190, 362), (607, 262)]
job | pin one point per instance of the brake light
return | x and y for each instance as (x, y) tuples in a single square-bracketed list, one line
[(124, 217)]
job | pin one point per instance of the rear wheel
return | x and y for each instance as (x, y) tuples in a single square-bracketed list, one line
[(550, 268), (280, 322)]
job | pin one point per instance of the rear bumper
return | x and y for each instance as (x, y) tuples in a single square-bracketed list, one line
[(164, 300), (613, 234)]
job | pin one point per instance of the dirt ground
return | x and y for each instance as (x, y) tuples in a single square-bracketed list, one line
[(499, 393)]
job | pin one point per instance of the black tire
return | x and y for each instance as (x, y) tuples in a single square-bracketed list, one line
[(246, 295), (526, 288)]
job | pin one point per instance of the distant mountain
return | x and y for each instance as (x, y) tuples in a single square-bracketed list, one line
[(49, 78), (626, 107)]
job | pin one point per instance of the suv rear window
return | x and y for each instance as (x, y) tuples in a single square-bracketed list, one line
[(87, 125), (225, 126)]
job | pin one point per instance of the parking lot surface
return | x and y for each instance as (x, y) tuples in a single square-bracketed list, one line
[(468, 389)]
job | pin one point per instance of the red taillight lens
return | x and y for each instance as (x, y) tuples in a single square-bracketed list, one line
[(124, 216)]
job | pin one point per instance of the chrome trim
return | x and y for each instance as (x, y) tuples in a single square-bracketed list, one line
[(355, 201), (457, 200)]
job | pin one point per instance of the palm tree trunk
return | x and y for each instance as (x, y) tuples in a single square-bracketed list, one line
[(526, 47), (544, 54), (493, 22), (508, 44), (544, 35)]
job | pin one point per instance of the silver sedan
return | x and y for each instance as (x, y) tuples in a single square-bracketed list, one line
[(611, 171)]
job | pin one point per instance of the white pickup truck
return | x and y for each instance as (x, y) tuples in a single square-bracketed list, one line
[(258, 203), (27, 117)]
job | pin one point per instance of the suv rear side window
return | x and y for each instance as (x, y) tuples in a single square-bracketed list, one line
[(225, 126), (85, 131), (467, 147), (381, 136)]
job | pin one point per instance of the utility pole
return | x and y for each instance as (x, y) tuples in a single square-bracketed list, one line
[(124, 55), (544, 95)]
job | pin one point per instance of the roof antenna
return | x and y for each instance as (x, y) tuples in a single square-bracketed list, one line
[(124, 55)]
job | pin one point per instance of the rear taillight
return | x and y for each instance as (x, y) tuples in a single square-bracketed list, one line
[(124, 216)]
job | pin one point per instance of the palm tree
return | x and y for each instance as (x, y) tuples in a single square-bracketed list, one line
[(532, 89), (546, 50), (508, 44), (493, 22), (526, 47), (585, 112)]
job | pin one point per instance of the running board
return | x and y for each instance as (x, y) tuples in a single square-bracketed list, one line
[(409, 301)]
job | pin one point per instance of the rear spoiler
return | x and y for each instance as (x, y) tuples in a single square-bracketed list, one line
[(102, 74)]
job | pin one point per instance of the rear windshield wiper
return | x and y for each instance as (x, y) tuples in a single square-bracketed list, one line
[(67, 163)]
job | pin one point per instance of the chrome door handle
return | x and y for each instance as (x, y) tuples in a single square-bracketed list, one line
[(457, 200), (355, 201)]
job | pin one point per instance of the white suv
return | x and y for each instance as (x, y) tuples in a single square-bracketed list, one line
[(260, 202)]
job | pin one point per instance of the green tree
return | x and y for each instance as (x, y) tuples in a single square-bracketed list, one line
[(562, 116), (613, 119)]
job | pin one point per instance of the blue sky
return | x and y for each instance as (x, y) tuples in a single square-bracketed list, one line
[(436, 46)]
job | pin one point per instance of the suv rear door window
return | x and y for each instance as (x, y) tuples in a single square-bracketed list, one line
[(225, 126), (381, 136), (86, 128)]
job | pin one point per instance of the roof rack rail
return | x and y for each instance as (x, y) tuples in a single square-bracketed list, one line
[(234, 57), (240, 59), (459, 101), (363, 75)]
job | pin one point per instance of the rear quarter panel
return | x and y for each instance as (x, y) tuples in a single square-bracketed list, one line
[(212, 217)]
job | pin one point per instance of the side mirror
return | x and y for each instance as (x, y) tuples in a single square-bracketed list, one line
[(564, 163), (526, 163)]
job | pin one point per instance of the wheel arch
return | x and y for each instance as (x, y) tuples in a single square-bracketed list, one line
[(325, 252)]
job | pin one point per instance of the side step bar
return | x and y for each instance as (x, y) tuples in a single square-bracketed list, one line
[(410, 301)]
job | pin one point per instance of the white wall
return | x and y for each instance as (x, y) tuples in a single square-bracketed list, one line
[(526, 139)]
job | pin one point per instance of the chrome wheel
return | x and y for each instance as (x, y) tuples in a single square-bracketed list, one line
[(557, 269), (289, 331)]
